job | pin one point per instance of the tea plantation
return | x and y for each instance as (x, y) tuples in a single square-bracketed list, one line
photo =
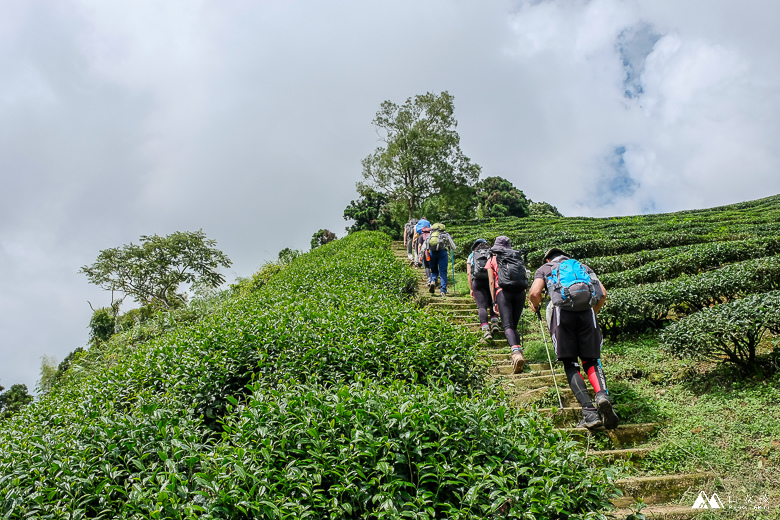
[(332, 388), (322, 392)]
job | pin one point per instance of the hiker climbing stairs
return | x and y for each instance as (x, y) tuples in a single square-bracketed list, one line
[(628, 444)]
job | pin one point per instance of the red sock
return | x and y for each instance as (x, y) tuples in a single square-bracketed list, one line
[(594, 379)]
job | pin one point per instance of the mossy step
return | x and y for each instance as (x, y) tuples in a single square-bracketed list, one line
[(524, 398), (622, 436), (659, 489), (661, 512), (530, 381), (498, 342), (506, 369), (633, 455)]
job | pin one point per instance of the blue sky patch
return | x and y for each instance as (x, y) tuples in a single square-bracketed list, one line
[(634, 44)]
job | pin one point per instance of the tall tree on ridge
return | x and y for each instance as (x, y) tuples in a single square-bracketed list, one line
[(421, 155)]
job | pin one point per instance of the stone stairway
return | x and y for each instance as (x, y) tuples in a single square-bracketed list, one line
[(536, 387)]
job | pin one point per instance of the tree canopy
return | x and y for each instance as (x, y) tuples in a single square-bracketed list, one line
[(421, 154), (497, 197), (13, 400), (322, 237), (152, 271)]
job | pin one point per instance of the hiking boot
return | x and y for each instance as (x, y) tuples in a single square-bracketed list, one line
[(518, 362), (590, 419), (607, 414), (494, 328), (431, 287), (443, 294), (486, 335)]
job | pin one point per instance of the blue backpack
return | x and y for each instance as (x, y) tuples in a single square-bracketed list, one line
[(571, 287), (421, 224)]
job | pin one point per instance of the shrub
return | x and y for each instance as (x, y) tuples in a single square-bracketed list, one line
[(366, 450), (691, 260), (648, 306), (733, 329)]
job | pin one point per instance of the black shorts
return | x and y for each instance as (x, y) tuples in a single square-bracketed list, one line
[(575, 334)]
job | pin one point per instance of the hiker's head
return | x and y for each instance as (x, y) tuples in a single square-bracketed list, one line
[(480, 243), (553, 253), (503, 241)]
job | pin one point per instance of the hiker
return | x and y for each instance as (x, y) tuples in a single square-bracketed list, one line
[(508, 282), (576, 296), (422, 231), (438, 246), (477, 276), (409, 231)]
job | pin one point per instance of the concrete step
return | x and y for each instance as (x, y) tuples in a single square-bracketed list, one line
[(661, 512), (633, 455), (623, 436), (502, 368), (531, 381), (659, 489)]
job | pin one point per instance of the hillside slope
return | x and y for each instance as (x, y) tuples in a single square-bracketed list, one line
[(326, 393)]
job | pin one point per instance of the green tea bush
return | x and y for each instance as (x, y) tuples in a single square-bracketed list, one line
[(133, 430), (648, 306), (366, 450), (732, 329), (691, 261)]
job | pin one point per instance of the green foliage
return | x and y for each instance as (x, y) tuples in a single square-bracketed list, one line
[(734, 329), (287, 255), (497, 197), (152, 271), (102, 324), (48, 373), (421, 155), (246, 286), (185, 424), (322, 237), (543, 209), (647, 306), (13, 400), (371, 212), (691, 260), (366, 450)]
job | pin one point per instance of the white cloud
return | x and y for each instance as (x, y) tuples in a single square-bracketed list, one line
[(249, 120)]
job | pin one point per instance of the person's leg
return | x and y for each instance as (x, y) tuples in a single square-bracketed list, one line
[(434, 265), (596, 376), (444, 260), (506, 311), (518, 302), (590, 417), (482, 299), (409, 250)]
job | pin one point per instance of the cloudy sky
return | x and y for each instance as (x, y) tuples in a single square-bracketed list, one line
[(248, 119)]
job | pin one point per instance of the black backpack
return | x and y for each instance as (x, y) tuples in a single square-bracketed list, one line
[(511, 268), (478, 262)]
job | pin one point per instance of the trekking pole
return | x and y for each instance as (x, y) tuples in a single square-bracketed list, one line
[(549, 360), (452, 260)]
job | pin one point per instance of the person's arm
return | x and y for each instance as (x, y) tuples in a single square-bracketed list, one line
[(602, 301), (535, 294), (452, 244), (468, 277)]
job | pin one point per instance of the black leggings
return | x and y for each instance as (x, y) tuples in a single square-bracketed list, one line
[(510, 306), (483, 299), (577, 383)]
